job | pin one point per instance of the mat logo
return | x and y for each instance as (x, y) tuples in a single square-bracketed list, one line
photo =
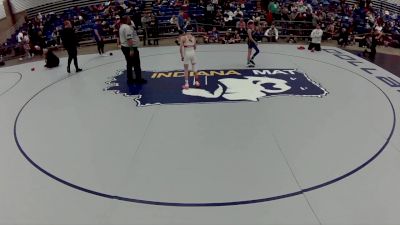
[(217, 86)]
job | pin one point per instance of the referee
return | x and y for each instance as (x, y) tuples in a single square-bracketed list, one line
[(129, 46)]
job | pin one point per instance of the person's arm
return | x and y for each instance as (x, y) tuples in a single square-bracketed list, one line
[(320, 34), (312, 34), (195, 43), (267, 32)]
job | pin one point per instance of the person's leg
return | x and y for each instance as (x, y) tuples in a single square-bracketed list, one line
[(148, 34), (186, 73), (144, 37), (98, 47), (318, 47), (249, 54), (136, 64), (75, 57), (256, 52), (102, 46), (196, 75), (372, 54), (129, 73), (69, 60)]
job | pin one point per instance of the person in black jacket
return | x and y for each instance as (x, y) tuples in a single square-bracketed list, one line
[(70, 44), (51, 59)]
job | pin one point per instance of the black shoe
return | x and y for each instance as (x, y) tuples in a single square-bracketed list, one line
[(252, 62), (78, 70), (68, 70)]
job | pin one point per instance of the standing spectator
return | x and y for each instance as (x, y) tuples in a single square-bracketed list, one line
[(98, 36), (129, 46), (180, 24), (70, 44), (181, 21), (27, 46), (273, 7), (155, 32), (146, 19), (269, 17), (272, 34), (316, 38)]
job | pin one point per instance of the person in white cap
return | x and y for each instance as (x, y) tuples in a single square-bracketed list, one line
[(188, 56)]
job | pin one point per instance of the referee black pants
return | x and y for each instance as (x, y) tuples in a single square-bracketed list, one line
[(72, 55), (132, 61)]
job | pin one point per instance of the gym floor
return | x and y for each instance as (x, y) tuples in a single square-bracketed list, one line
[(302, 138)]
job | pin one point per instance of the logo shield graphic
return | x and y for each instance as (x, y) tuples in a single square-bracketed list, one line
[(217, 86)]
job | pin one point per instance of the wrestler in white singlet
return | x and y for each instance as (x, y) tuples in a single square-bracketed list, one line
[(188, 56)]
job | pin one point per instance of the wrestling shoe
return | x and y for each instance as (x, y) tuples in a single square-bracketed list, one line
[(185, 86)]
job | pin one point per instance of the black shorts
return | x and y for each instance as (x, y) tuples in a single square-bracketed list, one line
[(315, 46)]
